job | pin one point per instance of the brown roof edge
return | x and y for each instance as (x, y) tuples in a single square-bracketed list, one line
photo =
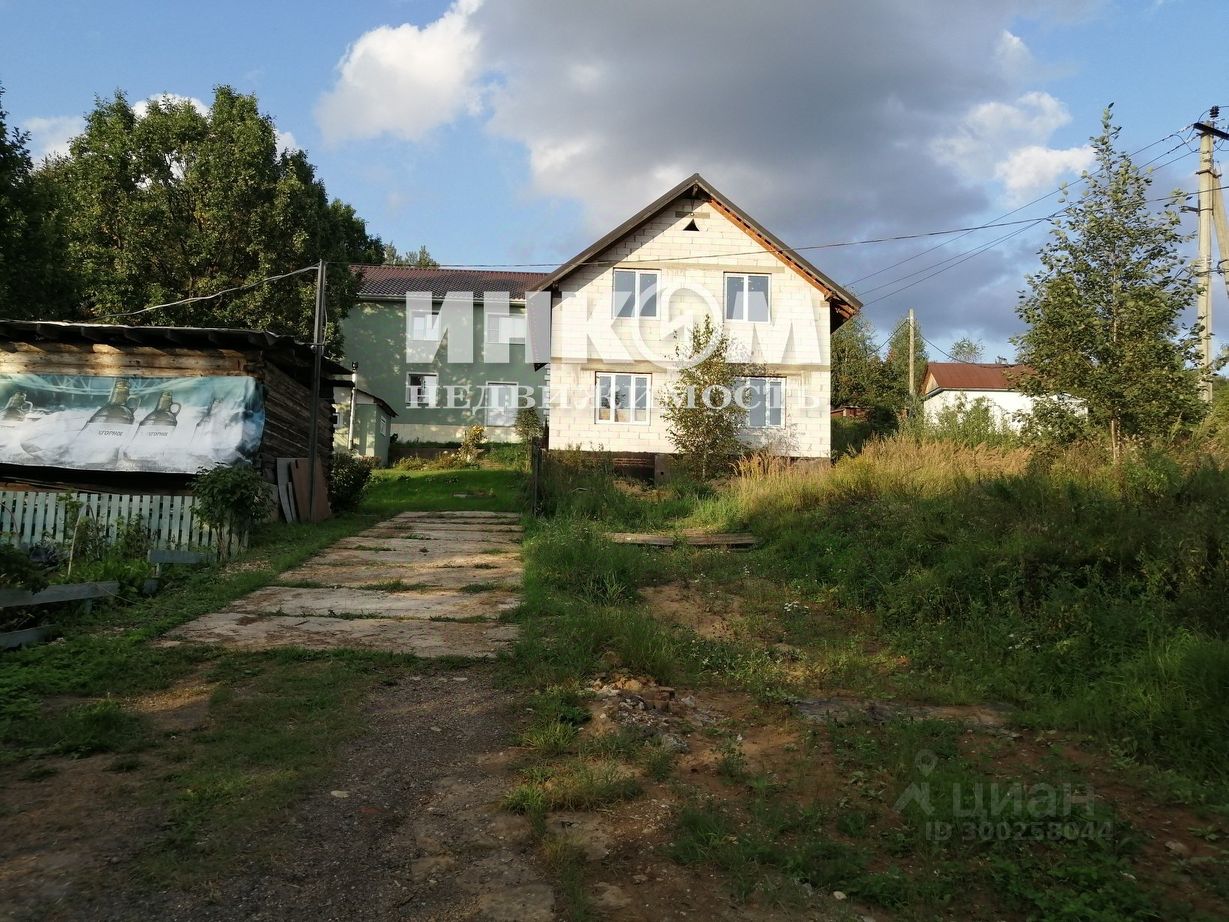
[(847, 304)]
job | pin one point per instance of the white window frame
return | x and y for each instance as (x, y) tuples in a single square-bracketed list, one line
[(613, 377), (746, 277), (637, 291), (422, 325), (497, 323), (741, 383), (424, 396), (486, 398)]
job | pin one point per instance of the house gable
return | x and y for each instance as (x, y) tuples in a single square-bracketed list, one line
[(688, 200)]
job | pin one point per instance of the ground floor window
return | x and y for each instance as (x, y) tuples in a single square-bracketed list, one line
[(421, 390), (501, 399), (764, 399), (623, 398)]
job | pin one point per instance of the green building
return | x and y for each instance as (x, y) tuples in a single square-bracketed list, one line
[(436, 396)]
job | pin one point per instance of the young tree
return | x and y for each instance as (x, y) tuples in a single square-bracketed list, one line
[(1104, 313), (173, 203), (35, 283), (420, 259), (967, 350), (703, 415)]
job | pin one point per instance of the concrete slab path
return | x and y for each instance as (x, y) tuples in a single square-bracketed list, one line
[(428, 583)]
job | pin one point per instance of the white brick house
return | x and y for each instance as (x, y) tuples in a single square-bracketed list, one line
[(618, 309)]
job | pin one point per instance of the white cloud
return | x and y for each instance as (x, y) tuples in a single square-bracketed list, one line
[(1034, 170), (827, 122), (50, 135), (1014, 56), (286, 141), (405, 80), (1006, 141)]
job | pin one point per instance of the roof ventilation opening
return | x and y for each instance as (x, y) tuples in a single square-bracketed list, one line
[(691, 225)]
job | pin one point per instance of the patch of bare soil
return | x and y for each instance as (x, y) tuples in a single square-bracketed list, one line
[(408, 827), (66, 830), (711, 616)]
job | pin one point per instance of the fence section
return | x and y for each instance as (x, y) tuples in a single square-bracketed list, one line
[(33, 517)]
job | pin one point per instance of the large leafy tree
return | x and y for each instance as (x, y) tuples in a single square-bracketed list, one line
[(34, 283), (172, 202), (1104, 313), (857, 369)]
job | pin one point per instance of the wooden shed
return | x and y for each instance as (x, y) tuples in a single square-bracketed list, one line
[(142, 409)]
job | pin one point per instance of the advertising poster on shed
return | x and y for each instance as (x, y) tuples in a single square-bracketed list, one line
[(96, 423)]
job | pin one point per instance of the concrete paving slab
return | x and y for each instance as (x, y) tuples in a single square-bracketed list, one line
[(435, 577), (432, 533), (426, 553), (421, 638), (421, 605), (458, 515)]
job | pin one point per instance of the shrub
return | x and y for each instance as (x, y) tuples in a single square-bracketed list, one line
[(410, 463), (18, 571), (347, 480), (528, 425), (472, 443), (235, 497)]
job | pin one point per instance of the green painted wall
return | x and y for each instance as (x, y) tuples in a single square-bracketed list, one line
[(375, 338), (370, 437)]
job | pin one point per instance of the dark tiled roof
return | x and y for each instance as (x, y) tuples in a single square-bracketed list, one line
[(395, 281), (967, 376)]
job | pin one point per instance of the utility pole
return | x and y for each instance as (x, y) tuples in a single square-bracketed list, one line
[(912, 352), (314, 397), (1211, 207), (353, 401)]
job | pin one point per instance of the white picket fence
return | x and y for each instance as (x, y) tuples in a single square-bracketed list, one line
[(32, 517)]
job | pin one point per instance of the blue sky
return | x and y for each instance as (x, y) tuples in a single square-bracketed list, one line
[(514, 131)]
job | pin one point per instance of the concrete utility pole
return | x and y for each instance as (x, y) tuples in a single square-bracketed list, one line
[(912, 352), (314, 397), (1211, 208)]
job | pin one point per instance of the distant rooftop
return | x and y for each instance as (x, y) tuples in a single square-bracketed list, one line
[(972, 376), (396, 281)]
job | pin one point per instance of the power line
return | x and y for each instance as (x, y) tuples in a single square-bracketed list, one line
[(216, 294)]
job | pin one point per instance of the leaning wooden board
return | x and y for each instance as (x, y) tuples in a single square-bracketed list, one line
[(734, 540)]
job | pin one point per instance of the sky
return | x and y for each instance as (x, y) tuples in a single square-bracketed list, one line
[(517, 131)]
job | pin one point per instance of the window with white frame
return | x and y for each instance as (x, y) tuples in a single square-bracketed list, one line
[(421, 390), (764, 399), (383, 426), (746, 297), (501, 399), (635, 292), (423, 321), (506, 328), (623, 398)]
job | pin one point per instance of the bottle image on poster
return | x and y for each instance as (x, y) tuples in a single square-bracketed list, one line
[(13, 421), (108, 430), (129, 423), (155, 432)]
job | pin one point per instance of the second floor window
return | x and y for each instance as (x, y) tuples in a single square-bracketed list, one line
[(421, 390), (505, 328), (635, 293), (746, 297)]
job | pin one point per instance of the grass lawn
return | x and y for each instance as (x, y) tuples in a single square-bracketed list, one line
[(1078, 604), (275, 718)]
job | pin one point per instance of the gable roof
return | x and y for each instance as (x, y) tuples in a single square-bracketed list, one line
[(396, 281), (696, 186), (972, 376)]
